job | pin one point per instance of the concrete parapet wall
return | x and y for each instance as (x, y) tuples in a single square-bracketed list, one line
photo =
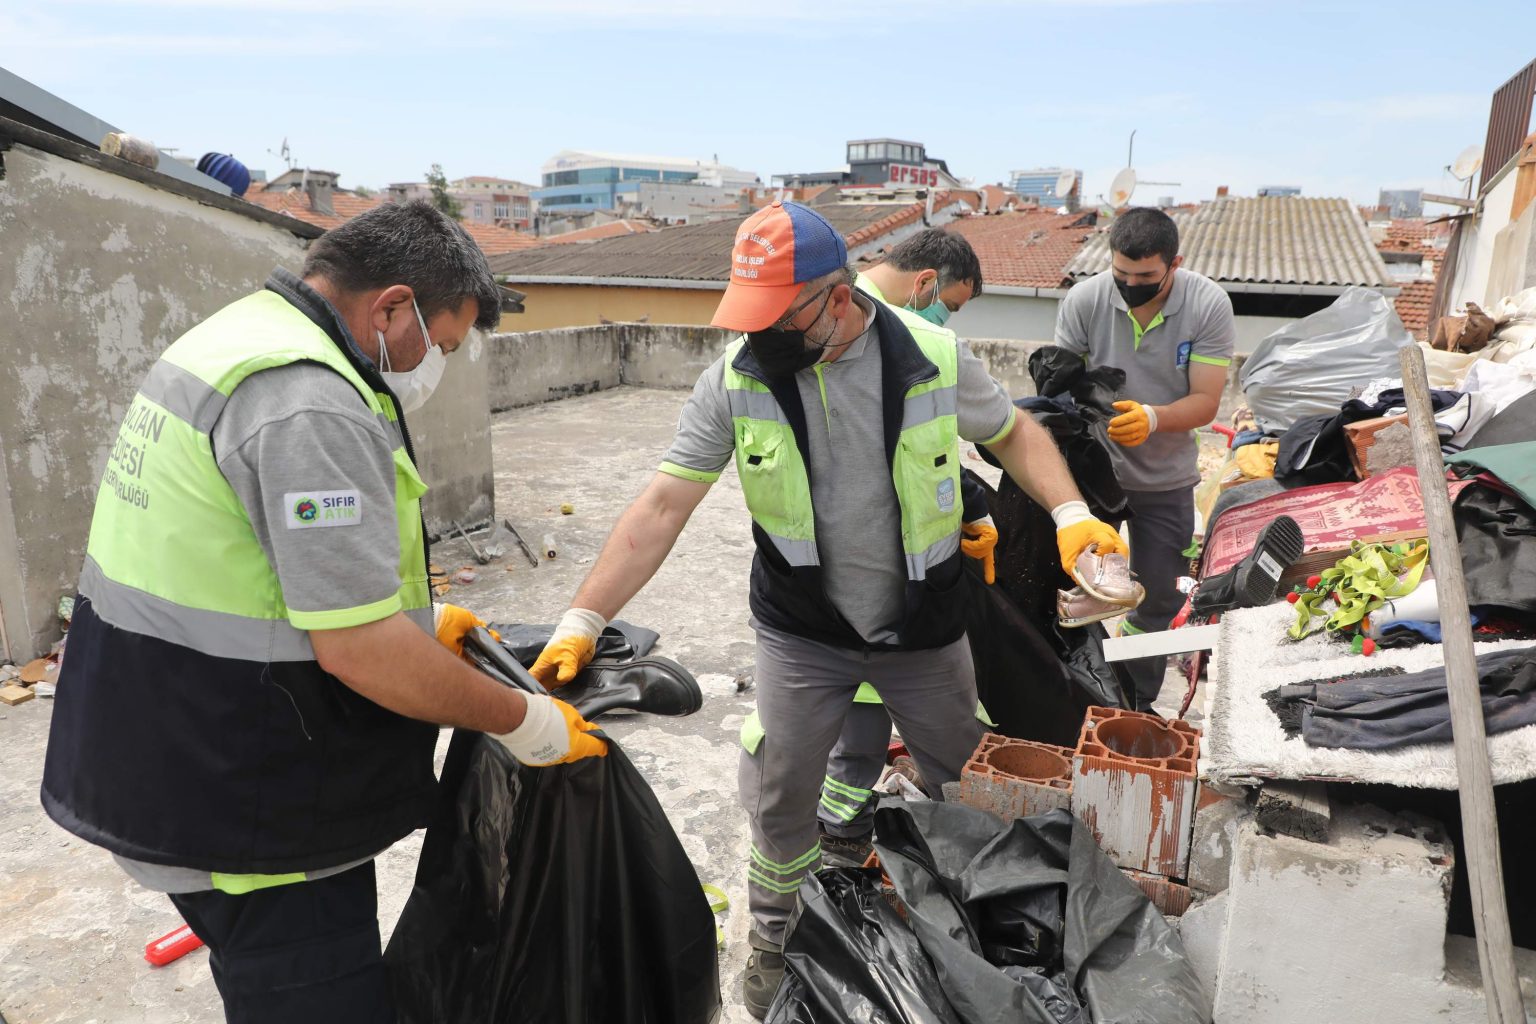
[(527, 368), (101, 273)]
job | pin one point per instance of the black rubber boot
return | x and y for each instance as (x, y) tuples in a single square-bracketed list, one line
[(765, 970), (1255, 580)]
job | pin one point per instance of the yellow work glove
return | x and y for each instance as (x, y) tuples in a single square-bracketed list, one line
[(977, 539), (1077, 531), (1134, 425), (570, 648), (552, 732), (453, 625)]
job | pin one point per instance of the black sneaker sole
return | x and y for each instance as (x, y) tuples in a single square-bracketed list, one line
[(1278, 547)]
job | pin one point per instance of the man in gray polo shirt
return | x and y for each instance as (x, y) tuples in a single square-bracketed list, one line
[(1171, 331), (844, 416)]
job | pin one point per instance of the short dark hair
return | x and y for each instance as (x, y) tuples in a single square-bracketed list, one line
[(413, 244), (1144, 231), (936, 249)]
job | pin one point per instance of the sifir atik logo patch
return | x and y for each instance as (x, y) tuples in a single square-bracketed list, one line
[(306, 510)]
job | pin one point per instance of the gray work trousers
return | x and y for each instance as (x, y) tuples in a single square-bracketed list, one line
[(847, 807), (1161, 527), (804, 691)]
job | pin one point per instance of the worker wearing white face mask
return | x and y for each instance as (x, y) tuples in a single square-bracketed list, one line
[(414, 387), (254, 629)]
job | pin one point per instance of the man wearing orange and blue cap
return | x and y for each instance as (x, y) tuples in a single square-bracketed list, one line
[(844, 417)]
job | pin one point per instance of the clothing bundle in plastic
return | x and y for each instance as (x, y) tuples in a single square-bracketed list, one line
[(553, 895), (1024, 923)]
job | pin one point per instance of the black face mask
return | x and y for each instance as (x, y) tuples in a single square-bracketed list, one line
[(784, 353), (1136, 295)]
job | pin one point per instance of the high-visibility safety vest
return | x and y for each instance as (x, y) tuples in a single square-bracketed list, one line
[(193, 726), (919, 389)]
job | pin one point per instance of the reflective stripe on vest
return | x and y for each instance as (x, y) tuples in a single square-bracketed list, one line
[(172, 553), (925, 471)]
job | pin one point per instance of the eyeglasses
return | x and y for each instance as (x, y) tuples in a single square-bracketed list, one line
[(786, 321)]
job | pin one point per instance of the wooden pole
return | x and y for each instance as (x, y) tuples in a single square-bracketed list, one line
[(1479, 821)]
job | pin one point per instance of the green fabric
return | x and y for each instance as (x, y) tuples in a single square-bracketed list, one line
[(1361, 582), (139, 532), (1138, 331), (239, 885), (1514, 465), (1209, 360), (866, 695), (751, 733)]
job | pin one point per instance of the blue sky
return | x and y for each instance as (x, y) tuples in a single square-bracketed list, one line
[(1340, 98)]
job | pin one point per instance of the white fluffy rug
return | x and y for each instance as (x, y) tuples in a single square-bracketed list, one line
[(1243, 739)]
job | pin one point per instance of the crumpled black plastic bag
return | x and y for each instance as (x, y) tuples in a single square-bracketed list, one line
[(1056, 371), (849, 957), (1039, 886), (553, 895)]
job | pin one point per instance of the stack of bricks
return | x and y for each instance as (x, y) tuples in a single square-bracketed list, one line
[(1134, 786), (1131, 780), (1017, 778)]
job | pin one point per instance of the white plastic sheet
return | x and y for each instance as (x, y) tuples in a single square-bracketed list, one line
[(1309, 368)]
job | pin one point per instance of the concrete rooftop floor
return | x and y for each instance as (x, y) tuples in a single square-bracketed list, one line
[(73, 926)]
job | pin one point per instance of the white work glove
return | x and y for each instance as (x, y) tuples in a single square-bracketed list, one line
[(552, 732), (571, 647)]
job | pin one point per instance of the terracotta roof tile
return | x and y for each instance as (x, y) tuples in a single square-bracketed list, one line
[(493, 241), (1413, 304), (1026, 250)]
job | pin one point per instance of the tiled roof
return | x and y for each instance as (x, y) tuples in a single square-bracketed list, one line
[(1418, 236), (496, 241), (612, 229), (1295, 240), (902, 216), (493, 241), (295, 203), (998, 198), (1027, 250), (690, 252), (1413, 304)]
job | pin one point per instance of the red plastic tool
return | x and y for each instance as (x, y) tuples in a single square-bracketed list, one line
[(172, 946)]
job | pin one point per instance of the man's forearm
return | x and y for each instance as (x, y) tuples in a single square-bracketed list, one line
[(1189, 413), (1029, 455), (396, 665), (639, 543)]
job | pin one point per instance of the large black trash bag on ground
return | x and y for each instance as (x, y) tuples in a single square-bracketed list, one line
[(552, 896), (964, 876), (849, 957)]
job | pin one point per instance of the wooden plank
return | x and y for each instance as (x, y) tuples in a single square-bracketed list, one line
[(1465, 204), (11, 694), (1479, 819), (1168, 641)]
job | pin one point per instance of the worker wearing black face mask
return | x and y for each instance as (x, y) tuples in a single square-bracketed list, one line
[(844, 417), (1171, 331)]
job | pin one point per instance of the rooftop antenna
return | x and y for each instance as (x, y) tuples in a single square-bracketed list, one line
[(1130, 164), (1466, 165), (285, 154)]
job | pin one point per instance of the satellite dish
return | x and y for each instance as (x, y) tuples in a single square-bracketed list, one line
[(1065, 184), (1467, 163), (1122, 187)]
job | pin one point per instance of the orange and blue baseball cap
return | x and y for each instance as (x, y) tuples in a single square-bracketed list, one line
[(777, 250)]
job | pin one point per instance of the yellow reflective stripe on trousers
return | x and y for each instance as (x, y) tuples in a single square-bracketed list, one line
[(217, 634), (781, 878), (843, 811)]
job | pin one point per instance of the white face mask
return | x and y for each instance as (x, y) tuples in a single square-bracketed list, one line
[(414, 387)]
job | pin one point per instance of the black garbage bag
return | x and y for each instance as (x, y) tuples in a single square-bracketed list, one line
[(962, 874), (1035, 680), (849, 957), (552, 896), (1056, 371), (619, 639)]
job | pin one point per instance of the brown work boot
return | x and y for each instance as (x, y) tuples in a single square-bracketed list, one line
[(765, 970)]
